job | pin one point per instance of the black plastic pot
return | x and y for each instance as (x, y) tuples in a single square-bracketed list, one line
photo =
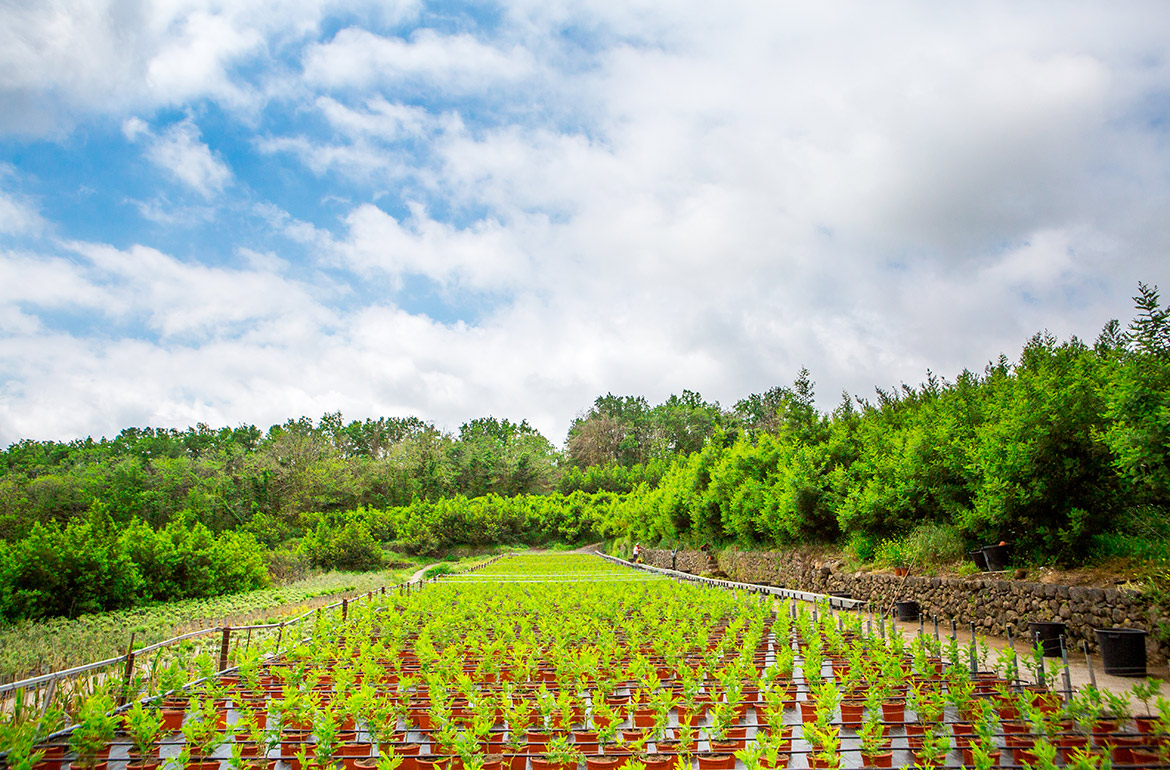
[(1123, 650), (996, 557), (907, 611), (1049, 633), (978, 558)]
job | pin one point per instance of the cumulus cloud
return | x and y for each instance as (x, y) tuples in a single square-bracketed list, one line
[(180, 151)]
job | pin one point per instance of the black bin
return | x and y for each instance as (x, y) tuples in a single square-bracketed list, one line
[(978, 559), (996, 557), (1049, 633), (1123, 650), (907, 611)]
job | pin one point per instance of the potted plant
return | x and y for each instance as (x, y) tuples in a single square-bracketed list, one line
[(875, 746), (143, 725), (1146, 691), (982, 752), (201, 737), (96, 727), (22, 734), (559, 754), (825, 742), (933, 749)]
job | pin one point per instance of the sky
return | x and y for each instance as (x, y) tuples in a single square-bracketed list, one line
[(245, 211)]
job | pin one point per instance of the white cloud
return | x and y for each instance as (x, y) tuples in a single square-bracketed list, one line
[(180, 152), (62, 61), (356, 58), (483, 256), (17, 215)]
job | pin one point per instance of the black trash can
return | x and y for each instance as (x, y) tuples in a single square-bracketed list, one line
[(996, 557), (1049, 633), (1123, 650), (907, 611), (978, 558)]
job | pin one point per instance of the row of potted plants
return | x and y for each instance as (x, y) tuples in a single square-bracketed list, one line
[(553, 673)]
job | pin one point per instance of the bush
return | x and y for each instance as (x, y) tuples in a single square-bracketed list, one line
[(936, 544), (345, 545), (862, 548)]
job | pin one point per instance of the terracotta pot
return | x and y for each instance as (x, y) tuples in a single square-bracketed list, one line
[(851, 714), (883, 760), (817, 764), (716, 761), (601, 762), (173, 718), (149, 764), (894, 711), (658, 762), (1067, 744), (1144, 757), (969, 759), (808, 711), (543, 764), (781, 763), (431, 762)]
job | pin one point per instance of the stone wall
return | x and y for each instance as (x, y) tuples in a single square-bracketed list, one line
[(996, 604)]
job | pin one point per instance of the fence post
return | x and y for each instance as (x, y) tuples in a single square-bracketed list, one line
[(344, 608), (974, 661), (129, 672), (223, 647)]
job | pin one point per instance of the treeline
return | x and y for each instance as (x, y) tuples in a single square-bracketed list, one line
[(225, 478), (1063, 452)]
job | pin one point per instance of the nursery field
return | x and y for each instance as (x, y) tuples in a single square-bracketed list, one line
[(570, 662)]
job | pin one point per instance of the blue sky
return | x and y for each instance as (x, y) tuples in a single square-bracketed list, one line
[(247, 211)]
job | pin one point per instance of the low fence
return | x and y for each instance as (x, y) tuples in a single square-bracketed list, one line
[(138, 670)]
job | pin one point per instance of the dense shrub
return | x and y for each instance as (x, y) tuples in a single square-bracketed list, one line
[(92, 565), (343, 542)]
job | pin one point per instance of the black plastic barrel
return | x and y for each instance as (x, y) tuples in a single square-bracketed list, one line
[(1123, 650), (1049, 633), (979, 559), (907, 611), (996, 556)]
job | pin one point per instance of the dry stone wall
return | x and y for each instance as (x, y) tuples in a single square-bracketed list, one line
[(995, 604)]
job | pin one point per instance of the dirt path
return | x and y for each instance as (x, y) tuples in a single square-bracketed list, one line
[(418, 576), (1077, 667)]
